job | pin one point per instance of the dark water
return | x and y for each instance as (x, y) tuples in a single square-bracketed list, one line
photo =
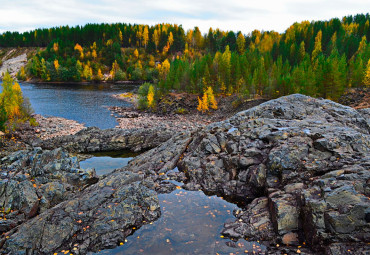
[(84, 103), (106, 162), (191, 223)]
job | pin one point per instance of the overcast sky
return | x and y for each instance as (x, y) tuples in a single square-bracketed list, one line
[(236, 15)]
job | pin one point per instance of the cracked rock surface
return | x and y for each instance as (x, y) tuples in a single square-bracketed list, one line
[(300, 164)]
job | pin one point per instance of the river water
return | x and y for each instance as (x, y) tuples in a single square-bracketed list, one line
[(87, 104)]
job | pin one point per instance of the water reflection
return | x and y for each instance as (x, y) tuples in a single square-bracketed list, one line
[(106, 162), (86, 104), (191, 223)]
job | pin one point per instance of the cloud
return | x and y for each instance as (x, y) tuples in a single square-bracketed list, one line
[(237, 15)]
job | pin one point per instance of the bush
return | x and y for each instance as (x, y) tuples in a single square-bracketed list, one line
[(33, 122), (181, 110), (137, 74), (143, 94), (120, 75), (14, 109)]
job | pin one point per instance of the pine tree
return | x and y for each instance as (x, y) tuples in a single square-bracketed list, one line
[(240, 43), (146, 36), (302, 51), (56, 65), (150, 97), (317, 49), (156, 38), (136, 53), (211, 101), (170, 39)]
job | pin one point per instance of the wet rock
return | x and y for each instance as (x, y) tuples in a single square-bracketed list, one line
[(37, 180), (99, 218)]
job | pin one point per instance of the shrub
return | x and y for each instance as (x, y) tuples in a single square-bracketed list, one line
[(181, 110), (143, 93), (14, 109)]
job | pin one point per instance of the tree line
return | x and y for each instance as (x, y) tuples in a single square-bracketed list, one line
[(318, 58)]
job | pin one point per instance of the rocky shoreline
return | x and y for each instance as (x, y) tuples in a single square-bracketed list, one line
[(301, 164)]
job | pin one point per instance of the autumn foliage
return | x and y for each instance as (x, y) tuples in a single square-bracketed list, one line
[(208, 101), (13, 108), (367, 75)]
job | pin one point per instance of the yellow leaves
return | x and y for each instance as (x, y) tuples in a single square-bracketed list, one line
[(136, 54), (240, 43), (99, 75), (208, 101), (150, 97), (78, 47), (56, 65), (94, 54), (80, 50), (120, 36), (109, 43), (56, 47), (367, 75), (170, 39), (156, 36), (350, 28), (87, 72), (115, 68), (145, 36), (317, 49), (11, 98), (200, 105), (164, 68)]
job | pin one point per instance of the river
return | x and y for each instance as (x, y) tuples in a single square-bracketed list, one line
[(87, 104)]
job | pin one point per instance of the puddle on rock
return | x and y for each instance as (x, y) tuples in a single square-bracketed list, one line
[(106, 162), (191, 223)]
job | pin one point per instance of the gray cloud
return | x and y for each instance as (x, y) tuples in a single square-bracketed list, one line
[(247, 15)]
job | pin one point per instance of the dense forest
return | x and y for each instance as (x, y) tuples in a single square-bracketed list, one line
[(318, 58)]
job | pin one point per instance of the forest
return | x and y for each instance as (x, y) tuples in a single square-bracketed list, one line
[(318, 58)]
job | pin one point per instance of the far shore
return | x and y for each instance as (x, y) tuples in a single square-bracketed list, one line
[(84, 82)]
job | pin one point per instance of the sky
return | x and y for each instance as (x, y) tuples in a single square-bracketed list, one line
[(236, 15)]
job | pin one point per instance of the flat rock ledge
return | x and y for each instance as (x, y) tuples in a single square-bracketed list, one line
[(93, 139), (300, 164)]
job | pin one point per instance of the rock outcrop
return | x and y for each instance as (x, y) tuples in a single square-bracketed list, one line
[(34, 181), (305, 162), (93, 139), (301, 164)]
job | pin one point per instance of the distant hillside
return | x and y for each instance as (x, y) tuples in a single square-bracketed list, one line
[(319, 58), (12, 59)]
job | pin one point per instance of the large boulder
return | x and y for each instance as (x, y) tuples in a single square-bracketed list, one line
[(310, 158)]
